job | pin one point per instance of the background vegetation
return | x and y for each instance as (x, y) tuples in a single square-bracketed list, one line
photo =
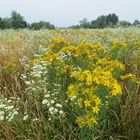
[(17, 21)]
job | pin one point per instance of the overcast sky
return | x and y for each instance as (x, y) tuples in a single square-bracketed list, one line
[(68, 12)]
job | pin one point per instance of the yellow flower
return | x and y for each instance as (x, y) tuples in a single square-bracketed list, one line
[(90, 122), (80, 101), (130, 76), (87, 103), (80, 121), (116, 89), (95, 109), (71, 91), (88, 78), (119, 44)]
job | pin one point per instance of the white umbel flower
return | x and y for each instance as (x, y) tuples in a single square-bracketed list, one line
[(44, 102), (25, 117), (1, 118), (61, 112)]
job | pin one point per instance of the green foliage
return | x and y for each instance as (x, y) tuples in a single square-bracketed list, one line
[(9, 67), (17, 21), (111, 20), (124, 23), (105, 21), (136, 23), (84, 23), (41, 25), (5, 23), (102, 21), (2, 26)]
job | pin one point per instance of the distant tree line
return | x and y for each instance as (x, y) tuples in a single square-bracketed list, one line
[(17, 21), (105, 21)]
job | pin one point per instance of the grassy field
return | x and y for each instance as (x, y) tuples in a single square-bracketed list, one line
[(70, 84)]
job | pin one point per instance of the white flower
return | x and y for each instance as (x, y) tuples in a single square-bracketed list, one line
[(51, 109), (44, 102), (49, 119), (11, 118), (6, 117), (9, 101), (58, 105), (15, 112), (32, 81), (48, 104), (25, 117), (12, 97), (37, 75), (24, 76), (55, 110), (1, 118), (51, 112), (47, 95), (1, 113), (72, 98), (52, 101), (61, 112), (35, 119), (27, 82), (66, 101), (2, 106), (9, 107)]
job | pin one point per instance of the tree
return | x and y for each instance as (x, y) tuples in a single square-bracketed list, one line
[(111, 20), (84, 23), (74, 27), (136, 23), (100, 22), (93, 24), (2, 26), (5, 23), (124, 23), (17, 21), (41, 25)]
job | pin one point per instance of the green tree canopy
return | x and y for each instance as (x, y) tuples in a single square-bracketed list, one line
[(124, 23), (111, 20), (2, 25), (41, 24), (84, 23), (136, 23), (17, 21)]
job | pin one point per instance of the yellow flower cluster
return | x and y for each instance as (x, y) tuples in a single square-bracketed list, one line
[(130, 76), (83, 76), (89, 68), (58, 41), (103, 77), (119, 44), (88, 121), (87, 101)]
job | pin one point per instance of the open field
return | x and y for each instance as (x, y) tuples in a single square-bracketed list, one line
[(70, 84)]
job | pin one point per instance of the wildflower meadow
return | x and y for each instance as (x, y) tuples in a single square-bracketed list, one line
[(70, 84)]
